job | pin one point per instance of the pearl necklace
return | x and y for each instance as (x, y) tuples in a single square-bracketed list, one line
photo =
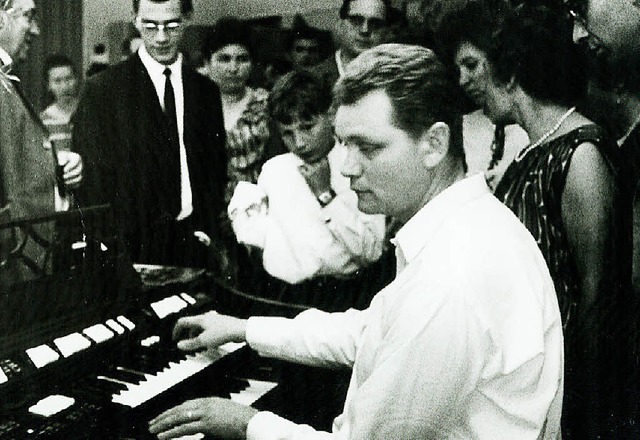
[(522, 153), (633, 126)]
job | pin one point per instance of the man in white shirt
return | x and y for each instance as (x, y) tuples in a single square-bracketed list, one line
[(151, 132), (466, 342), (302, 213)]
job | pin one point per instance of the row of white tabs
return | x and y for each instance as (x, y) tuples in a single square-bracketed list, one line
[(68, 345)]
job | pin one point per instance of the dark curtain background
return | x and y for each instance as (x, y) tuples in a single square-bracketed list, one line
[(60, 24)]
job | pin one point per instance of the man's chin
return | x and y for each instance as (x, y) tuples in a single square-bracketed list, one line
[(164, 57)]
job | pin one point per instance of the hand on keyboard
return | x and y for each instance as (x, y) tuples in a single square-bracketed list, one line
[(213, 416), (208, 330)]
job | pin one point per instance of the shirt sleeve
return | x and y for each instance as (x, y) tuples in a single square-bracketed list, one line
[(268, 426), (361, 235), (312, 338)]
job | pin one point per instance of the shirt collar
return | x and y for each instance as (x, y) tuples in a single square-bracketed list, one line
[(5, 58), (155, 68), (415, 234), (339, 63)]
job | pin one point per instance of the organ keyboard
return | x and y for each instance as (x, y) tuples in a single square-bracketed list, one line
[(86, 349), (107, 380)]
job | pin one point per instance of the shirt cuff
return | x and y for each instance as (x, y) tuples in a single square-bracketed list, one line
[(265, 334), (267, 426)]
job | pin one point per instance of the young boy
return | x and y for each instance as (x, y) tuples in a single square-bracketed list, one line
[(302, 213)]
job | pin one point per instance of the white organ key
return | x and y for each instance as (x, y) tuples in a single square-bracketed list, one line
[(172, 374)]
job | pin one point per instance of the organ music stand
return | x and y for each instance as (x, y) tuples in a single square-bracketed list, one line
[(61, 270)]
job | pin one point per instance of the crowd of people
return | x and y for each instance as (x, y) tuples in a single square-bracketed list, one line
[(455, 205)]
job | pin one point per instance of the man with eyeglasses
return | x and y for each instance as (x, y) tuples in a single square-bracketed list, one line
[(152, 133), (363, 25), (35, 178), (609, 31)]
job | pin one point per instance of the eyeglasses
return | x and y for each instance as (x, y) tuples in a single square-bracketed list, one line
[(577, 15), (374, 24), (153, 27)]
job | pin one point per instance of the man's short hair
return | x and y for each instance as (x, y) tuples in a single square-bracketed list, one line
[(421, 89), (58, 60), (346, 4), (186, 6), (299, 94)]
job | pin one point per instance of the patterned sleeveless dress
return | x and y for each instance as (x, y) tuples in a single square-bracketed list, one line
[(595, 345)]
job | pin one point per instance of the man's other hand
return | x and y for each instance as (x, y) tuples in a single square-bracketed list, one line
[(208, 330)]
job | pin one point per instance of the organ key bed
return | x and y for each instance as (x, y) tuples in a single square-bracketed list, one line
[(86, 349)]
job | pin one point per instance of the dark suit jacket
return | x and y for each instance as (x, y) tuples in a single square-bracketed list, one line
[(120, 131), (27, 179)]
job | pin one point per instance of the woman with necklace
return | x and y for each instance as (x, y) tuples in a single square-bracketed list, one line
[(564, 186), (229, 64)]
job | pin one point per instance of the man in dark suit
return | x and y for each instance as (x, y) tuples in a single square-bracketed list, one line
[(28, 161), (363, 24), (151, 132)]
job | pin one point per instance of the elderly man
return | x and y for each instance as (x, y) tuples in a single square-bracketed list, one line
[(363, 24), (152, 134), (35, 178), (466, 341)]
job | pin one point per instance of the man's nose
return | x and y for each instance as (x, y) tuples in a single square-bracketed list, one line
[(300, 140), (35, 29), (464, 78), (365, 28), (162, 34), (579, 32), (351, 166)]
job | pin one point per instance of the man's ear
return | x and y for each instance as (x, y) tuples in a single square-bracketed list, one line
[(435, 144)]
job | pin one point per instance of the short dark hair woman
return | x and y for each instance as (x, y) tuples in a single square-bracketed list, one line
[(564, 186)]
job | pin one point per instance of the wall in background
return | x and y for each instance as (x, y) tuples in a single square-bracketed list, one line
[(98, 14)]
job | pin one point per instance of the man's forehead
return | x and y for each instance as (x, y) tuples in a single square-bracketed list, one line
[(22, 5), (297, 119), (365, 117), (368, 8), (159, 11)]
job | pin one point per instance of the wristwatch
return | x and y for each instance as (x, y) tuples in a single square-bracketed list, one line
[(326, 197)]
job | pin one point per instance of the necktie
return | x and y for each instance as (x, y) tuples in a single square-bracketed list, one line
[(174, 143), (170, 106)]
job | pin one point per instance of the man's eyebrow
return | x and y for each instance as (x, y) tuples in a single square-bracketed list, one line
[(148, 20)]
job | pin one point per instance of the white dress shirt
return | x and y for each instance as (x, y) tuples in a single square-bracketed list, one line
[(465, 343), (300, 239), (156, 72)]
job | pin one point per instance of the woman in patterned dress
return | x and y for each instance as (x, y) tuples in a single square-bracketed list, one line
[(564, 186), (229, 63)]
